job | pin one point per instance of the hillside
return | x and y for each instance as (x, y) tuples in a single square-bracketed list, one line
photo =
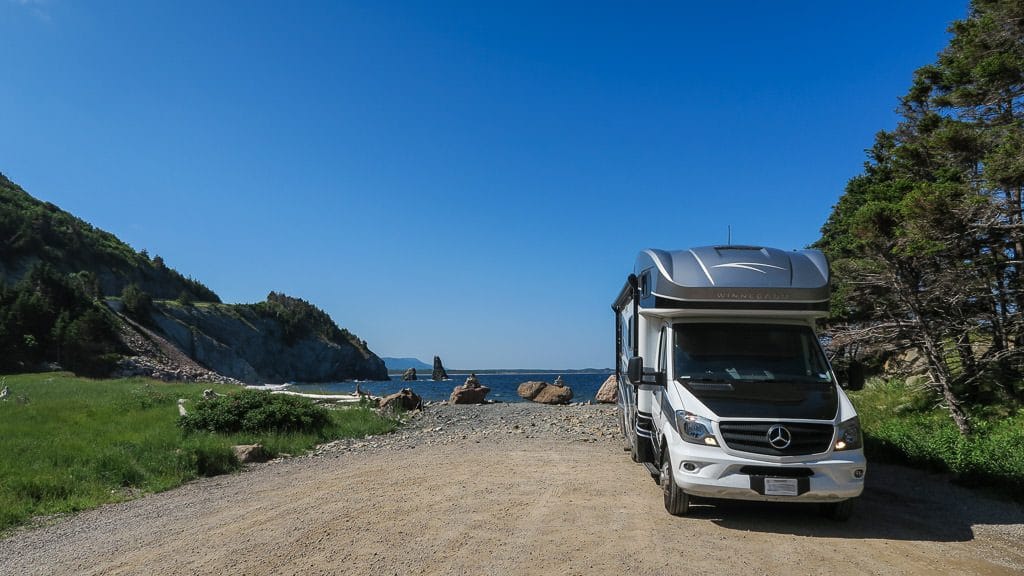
[(35, 232), (76, 297)]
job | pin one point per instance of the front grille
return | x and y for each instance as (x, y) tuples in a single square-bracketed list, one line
[(753, 437)]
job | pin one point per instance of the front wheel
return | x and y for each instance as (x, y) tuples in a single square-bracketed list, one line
[(677, 502)]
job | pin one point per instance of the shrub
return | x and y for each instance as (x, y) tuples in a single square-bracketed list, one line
[(256, 411), (899, 428), (137, 303)]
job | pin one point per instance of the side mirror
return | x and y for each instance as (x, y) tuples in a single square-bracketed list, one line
[(855, 376), (639, 375), (635, 370)]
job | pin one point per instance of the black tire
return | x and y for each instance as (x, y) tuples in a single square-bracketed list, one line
[(640, 449), (838, 511), (634, 450), (677, 502)]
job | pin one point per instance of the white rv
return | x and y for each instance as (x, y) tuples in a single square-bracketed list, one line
[(723, 386)]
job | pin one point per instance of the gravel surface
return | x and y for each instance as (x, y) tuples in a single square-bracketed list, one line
[(511, 489)]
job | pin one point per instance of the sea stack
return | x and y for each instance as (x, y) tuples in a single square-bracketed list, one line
[(439, 373)]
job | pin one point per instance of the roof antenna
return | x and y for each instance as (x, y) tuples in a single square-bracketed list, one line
[(729, 237)]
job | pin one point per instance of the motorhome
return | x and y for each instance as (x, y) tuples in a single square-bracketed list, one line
[(724, 389)]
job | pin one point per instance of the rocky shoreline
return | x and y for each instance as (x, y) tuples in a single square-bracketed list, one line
[(440, 423)]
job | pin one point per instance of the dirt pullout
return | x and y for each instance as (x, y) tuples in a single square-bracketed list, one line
[(512, 490)]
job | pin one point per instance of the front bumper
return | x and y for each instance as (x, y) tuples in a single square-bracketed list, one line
[(711, 472)]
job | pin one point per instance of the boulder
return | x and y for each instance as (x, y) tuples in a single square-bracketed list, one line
[(409, 375), (545, 393), (250, 453), (405, 399), (469, 394), (529, 390), (608, 393), (905, 363), (554, 395), (439, 371)]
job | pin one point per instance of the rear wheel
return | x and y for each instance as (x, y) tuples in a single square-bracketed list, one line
[(634, 450), (640, 449), (840, 511), (677, 502)]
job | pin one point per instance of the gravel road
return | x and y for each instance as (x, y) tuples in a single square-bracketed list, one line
[(511, 489)]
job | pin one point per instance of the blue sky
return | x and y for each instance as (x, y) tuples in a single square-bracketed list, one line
[(468, 179)]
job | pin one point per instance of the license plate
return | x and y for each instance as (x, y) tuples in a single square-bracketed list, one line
[(780, 487)]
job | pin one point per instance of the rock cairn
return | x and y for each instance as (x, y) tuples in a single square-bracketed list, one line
[(471, 392)]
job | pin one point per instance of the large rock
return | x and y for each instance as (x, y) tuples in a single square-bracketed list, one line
[(439, 371), (250, 453), (545, 393), (404, 399), (608, 393), (472, 392), (554, 395), (529, 390), (409, 375)]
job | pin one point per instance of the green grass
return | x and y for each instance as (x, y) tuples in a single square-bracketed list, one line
[(903, 424), (69, 443)]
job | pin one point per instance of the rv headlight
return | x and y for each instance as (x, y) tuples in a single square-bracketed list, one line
[(695, 429), (848, 436)]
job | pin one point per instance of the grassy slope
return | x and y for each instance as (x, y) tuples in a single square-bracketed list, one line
[(78, 443), (903, 424)]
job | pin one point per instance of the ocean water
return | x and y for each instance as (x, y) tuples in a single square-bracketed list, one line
[(503, 386)]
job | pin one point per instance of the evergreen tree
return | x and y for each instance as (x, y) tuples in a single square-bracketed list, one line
[(928, 243)]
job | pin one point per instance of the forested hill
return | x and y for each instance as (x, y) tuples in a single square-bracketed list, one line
[(34, 232), (75, 297)]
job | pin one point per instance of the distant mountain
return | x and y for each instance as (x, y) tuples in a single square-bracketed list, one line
[(403, 364), (77, 297)]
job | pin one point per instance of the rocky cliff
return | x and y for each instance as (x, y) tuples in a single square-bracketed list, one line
[(56, 269), (252, 344)]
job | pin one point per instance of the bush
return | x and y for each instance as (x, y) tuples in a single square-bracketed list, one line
[(899, 428), (256, 411), (137, 303)]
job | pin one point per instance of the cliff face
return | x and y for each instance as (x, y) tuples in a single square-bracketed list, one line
[(251, 344), (55, 268)]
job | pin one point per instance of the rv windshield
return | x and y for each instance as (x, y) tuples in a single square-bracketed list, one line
[(747, 352)]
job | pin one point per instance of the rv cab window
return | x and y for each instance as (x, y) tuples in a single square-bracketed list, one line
[(752, 352)]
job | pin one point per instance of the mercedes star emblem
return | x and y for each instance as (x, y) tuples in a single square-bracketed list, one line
[(779, 437)]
